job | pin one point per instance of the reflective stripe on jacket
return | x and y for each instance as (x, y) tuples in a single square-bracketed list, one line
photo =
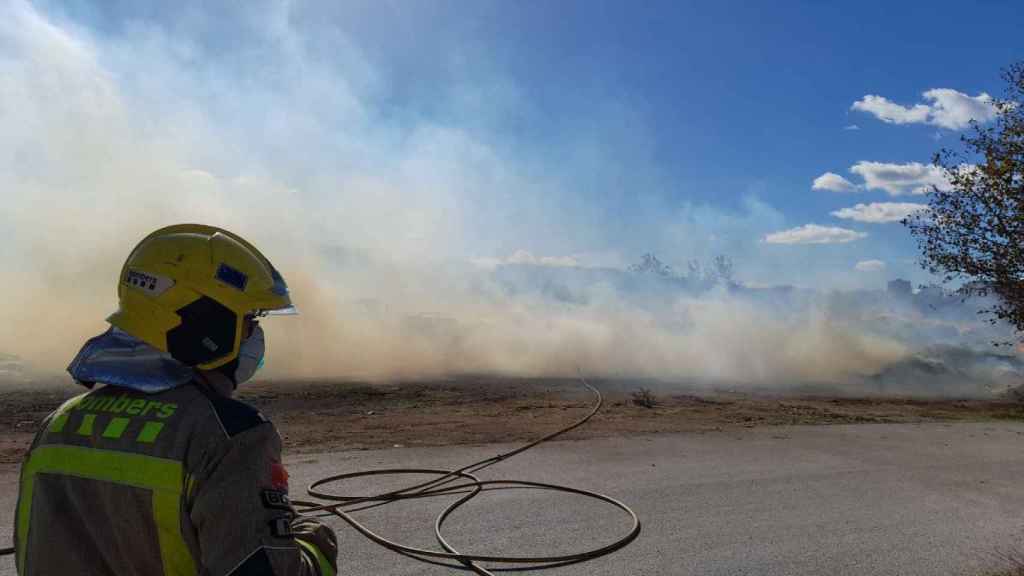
[(180, 483)]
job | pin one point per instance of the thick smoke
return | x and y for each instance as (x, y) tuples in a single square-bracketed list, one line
[(489, 328), (387, 227)]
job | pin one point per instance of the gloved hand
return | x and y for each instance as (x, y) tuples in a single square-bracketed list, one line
[(314, 532)]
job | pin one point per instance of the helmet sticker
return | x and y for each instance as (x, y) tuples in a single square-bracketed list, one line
[(232, 277), (210, 344), (151, 284)]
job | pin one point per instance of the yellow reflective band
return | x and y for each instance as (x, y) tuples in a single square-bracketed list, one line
[(149, 432), (85, 428), (174, 553), (60, 415), (164, 477), (69, 404), (325, 566), (58, 422), (190, 486), (116, 428)]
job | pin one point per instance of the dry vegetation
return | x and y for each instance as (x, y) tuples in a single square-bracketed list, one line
[(314, 416), (318, 415)]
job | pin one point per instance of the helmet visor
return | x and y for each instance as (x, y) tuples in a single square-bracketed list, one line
[(279, 288), (286, 311)]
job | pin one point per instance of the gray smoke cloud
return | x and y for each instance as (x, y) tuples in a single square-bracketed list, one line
[(397, 234)]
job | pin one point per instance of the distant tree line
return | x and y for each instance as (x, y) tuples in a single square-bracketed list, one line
[(719, 271)]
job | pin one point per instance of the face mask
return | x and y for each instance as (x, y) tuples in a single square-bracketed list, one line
[(250, 356)]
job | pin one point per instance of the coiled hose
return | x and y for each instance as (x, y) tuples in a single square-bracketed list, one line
[(464, 481), (459, 481)]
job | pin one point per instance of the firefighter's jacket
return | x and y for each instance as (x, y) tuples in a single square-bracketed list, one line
[(182, 482)]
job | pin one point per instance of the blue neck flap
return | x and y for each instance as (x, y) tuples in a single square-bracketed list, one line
[(120, 359)]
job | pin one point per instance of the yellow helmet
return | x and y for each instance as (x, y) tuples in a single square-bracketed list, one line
[(187, 289)]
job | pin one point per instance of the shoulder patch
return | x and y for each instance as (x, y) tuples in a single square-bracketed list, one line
[(277, 499), (235, 416)]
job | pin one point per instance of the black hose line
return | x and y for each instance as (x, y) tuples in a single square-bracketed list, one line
[(464, 481), (460, 481)]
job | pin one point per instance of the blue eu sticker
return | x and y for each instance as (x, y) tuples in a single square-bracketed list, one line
[(232, 277)]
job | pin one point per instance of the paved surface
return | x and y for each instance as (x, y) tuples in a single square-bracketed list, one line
[(928, 499)]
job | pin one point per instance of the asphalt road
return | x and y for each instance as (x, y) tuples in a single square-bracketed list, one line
[(928, 499)]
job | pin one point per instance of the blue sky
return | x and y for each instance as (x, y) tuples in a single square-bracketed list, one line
[(590, 131)]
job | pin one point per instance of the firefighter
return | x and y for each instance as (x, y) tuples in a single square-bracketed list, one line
[(157, 470)]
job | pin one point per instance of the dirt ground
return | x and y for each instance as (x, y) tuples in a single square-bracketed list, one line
[(331, 415)]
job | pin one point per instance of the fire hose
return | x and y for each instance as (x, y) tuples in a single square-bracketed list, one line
[(464, 481)]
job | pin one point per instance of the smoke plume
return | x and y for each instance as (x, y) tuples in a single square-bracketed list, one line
[(394, 230)]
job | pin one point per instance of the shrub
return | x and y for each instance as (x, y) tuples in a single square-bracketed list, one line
[(645, 398)]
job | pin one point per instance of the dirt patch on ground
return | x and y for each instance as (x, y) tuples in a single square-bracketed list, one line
[(316, 416), (322, 415), (21, 411)]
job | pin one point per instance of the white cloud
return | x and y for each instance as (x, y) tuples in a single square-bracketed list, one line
[(526, 257), (900, 179), (879, 212), (955, 110), (814, 234), (851, 127), (833, 182), (946, 108), (869, 266), (891, 112)]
